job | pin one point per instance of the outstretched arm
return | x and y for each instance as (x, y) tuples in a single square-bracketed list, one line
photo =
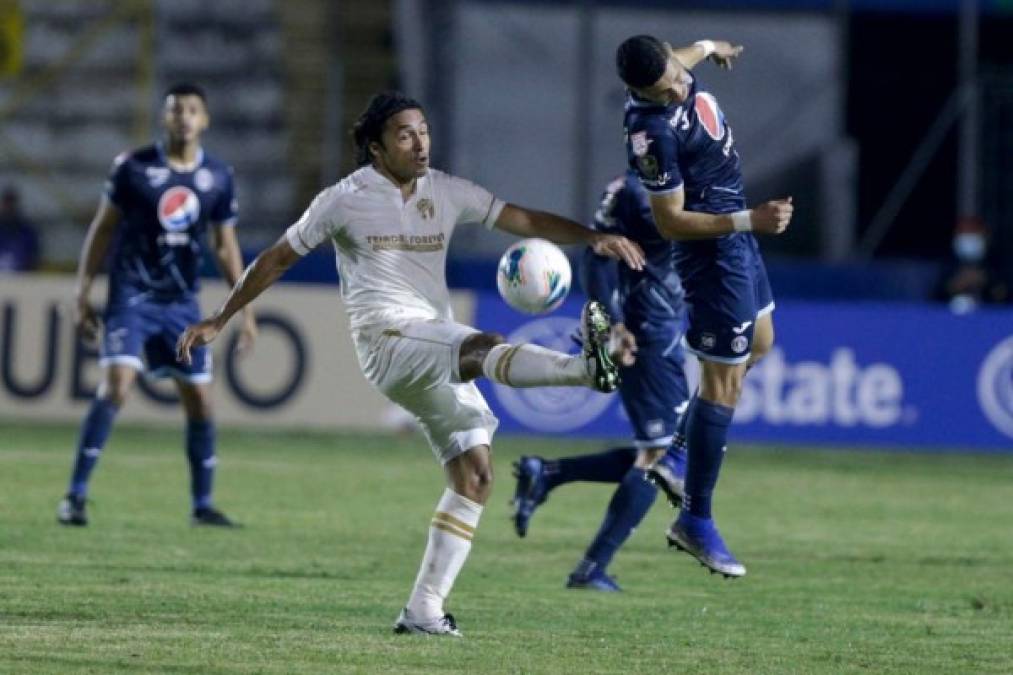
[(674, 222), (261, 273), (528, 223), (719, 51)]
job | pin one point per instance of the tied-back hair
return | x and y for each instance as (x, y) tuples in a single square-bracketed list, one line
[(369, 127), (641, 60)]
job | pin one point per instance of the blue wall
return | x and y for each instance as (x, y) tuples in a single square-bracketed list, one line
[(843, 374)]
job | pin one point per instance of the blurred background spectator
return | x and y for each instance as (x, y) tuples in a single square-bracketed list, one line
[(19, 242)]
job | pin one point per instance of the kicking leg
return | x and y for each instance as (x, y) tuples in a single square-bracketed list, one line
[(529, 365)]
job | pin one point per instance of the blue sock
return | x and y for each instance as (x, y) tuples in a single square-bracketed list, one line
[(706, 433), (200, 450), (603, 467), (630, 503), (95, 428)]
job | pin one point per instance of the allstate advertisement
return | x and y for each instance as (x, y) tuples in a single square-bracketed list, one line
[(844, 374)]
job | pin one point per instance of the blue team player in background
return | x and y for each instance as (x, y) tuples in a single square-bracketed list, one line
[(160, 203), (683, 152), (649, 313)]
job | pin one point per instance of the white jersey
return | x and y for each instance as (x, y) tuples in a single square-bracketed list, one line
[(391, 254)]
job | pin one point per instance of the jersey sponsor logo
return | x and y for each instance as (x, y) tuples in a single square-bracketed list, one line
[(417, 243), (203, 179), (995, 386), (553, 409), (178, 208), (639, 142), (709, 114)]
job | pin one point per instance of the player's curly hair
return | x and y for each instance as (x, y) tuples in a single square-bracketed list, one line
[(641, 60), (369, 127), (187, 89)]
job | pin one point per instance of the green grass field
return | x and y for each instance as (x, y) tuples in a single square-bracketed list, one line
[(858, 562)]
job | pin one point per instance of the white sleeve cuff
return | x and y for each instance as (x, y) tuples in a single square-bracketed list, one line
[(492, 216), (295, 241)]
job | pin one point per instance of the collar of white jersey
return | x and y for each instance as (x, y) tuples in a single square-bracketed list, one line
[(374, 178)]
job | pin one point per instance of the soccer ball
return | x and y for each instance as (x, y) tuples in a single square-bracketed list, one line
[(533, 276)]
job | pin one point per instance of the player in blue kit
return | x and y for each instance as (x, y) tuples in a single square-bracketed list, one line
[(160, 203), (647, 306), (683, 152)]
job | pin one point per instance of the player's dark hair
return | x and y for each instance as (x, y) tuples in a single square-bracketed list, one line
[(369, 127), (641, 60), (187, 89)]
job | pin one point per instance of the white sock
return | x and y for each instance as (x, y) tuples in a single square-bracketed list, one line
[(529, 365), (450, 535)]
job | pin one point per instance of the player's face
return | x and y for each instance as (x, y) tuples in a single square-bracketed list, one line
[(404, 152), (185, 118), (671, 87)]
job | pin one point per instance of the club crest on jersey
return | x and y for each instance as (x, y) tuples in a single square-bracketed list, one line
[(426, 208), (178, 208), (710, 116), (203, 179), (639, 143)]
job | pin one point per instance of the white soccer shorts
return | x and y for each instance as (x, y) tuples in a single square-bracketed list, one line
[(416, 364)]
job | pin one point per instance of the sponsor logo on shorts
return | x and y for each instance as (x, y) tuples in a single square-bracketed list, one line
[(995, 386), (551, 408)]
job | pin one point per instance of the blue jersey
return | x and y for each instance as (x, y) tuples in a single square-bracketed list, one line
[(686, 145), (649, 301), (165, 216)]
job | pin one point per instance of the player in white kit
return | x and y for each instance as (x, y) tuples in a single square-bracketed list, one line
[(391, 222)]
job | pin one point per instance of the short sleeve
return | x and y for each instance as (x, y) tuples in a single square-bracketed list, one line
[(605, 215), (226, 208), (653, 154), (117, 184), (316, 225), (473, 203)]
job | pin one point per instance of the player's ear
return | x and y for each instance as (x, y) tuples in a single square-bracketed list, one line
[(374, 148)]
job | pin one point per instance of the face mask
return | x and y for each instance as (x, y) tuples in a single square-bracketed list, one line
[(969, 247)]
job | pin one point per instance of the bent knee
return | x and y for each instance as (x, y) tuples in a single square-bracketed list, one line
[(481, 343)]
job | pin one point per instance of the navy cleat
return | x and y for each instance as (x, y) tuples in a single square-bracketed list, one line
[(444, 625), (71, 511), (530, 493), (700, 538), (594, 334), (669, 475), (596, 580), (211, 517)]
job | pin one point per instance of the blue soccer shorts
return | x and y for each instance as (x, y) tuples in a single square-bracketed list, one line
[(152, 328)]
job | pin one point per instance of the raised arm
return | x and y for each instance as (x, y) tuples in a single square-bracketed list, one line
[(260, 275), (674, 222), (93, 252), (719, 51), (528, 223)]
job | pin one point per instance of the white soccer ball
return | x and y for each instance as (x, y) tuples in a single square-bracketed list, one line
[(533, 276)]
